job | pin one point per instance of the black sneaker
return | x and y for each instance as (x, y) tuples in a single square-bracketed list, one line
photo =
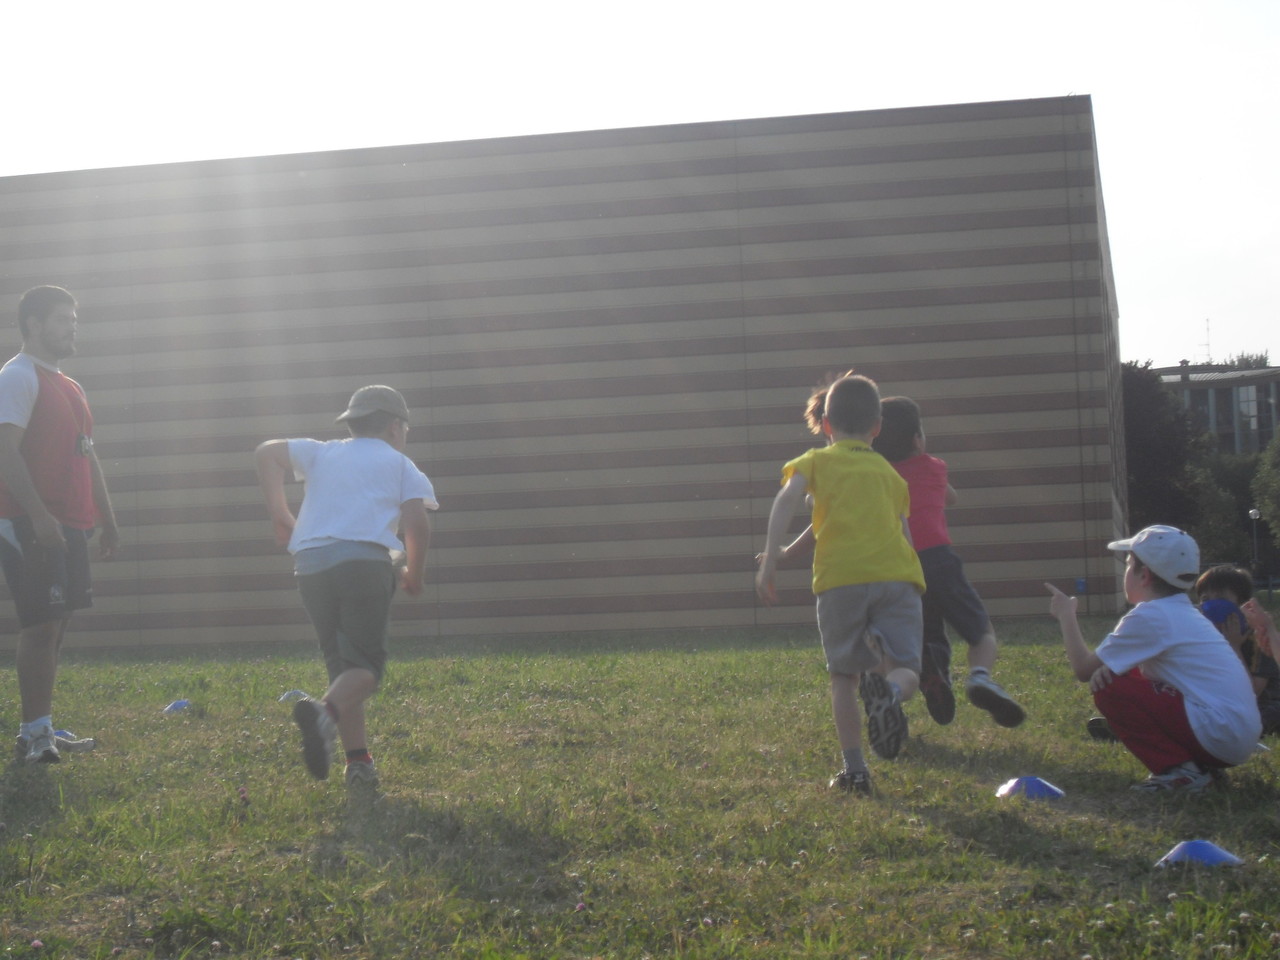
[(886, 723), (852, 781), (985, 694), (939, 699), (1099, 729)]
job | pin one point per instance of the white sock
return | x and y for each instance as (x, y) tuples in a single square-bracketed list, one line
[(35, 726)]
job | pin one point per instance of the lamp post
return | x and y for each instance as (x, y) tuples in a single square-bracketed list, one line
[(1254, 516)]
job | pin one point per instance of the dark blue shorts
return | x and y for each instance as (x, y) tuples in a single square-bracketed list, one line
[(45, 584), (950, 598)]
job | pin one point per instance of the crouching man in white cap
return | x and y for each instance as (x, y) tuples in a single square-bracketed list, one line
[(1172, 689)]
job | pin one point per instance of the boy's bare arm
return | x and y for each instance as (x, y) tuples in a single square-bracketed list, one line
[(784, 508), (1084, 662), (801, 544), (415, 523), (952, 498), (274, 467)]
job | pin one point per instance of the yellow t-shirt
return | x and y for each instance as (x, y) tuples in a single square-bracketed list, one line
[(858, 505)]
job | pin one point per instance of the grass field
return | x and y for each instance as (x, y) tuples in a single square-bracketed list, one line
[(623, 796)]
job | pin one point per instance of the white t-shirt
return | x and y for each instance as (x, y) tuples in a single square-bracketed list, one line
[(354, 491), (1173, 642)]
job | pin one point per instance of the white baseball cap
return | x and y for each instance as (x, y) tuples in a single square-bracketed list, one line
[(1167, 552)]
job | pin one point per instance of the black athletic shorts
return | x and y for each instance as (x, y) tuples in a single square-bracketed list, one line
[(45, 584)]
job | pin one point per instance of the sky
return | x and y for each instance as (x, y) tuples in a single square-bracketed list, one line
[(1186, 99)]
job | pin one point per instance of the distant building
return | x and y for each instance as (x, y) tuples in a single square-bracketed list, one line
[(1238, 407)]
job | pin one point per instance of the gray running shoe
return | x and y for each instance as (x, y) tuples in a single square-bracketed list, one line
[(42, 747), (318, 735), (985, 694), (886, 723), (64, 745), (362, 776)]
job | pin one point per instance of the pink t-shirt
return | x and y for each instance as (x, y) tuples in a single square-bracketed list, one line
[(926, 478)]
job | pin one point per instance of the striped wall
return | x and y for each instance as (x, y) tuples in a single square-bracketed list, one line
[(606, 338)]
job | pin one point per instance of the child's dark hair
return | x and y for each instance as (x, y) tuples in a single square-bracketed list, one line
[(899, 427), (1226, 578), (1159, 585), (851, 404), (371, 424)]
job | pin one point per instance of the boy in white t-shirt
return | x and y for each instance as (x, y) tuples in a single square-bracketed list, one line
[(359, 492), (1171, 688)]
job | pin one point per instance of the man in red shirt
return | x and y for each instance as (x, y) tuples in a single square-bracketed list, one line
[(52, 495)]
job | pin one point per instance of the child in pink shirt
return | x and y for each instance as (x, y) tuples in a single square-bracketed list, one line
[(949, 597)]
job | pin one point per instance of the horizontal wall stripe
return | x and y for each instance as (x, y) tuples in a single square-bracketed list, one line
[(497, 574), (587, 460), (464, 502), (1063, 178), (225, 240), (542, 391), (439, 433), (661, 349), (737, 272), (748, 526)]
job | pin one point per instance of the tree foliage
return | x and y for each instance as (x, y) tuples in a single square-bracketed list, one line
[(1158, 451), (1266, 484), (1179, 477), (1249, 361)]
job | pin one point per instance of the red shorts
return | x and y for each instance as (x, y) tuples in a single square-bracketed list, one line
[(1150, 718)]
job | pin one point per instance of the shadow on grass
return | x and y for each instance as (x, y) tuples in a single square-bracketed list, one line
[(477, 852), (997, 763), (32, 796)]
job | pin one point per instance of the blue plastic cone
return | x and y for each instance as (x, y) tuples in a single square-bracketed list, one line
[(1202, 852), (1033, 788)]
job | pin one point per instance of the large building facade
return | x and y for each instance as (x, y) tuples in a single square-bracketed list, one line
[(607, 340)]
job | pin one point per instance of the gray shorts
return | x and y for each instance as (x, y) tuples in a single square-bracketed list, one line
[(860, 621), (350, 606)]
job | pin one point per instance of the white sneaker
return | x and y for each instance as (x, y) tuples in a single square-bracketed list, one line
[(64, 745), (42, 747), (1185, 778), (318, 735), (985, 694)]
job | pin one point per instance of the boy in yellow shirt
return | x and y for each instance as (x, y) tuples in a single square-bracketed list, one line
[(866, 574)]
